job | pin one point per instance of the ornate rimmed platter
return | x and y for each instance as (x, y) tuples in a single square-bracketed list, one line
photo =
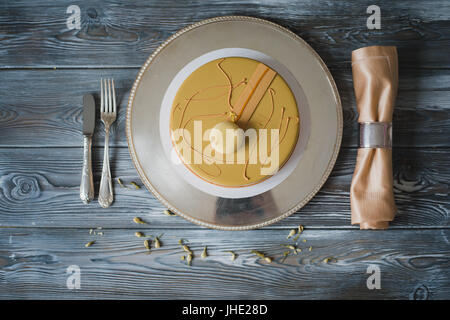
[(275, 198)]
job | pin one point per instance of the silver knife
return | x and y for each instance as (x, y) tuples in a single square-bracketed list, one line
[(87, 181)]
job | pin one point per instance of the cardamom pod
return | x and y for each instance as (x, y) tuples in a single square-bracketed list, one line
[(90, 243), (138, 220)]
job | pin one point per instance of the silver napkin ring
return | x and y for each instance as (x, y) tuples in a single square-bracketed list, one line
[(375, 134)]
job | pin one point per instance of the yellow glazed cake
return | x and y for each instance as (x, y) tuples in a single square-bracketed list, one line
[(234, 122)]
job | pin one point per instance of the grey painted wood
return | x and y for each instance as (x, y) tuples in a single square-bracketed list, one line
[(44, 71), (40, 187), (36, 112), (115, 33), (413, 264)]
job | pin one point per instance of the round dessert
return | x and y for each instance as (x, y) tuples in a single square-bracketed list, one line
[(234, 122)]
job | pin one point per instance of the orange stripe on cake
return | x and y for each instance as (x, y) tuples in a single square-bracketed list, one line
[(253, 92)]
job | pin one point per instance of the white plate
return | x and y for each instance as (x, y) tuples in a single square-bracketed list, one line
[(246, 191)]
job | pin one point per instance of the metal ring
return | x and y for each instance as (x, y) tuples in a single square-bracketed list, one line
[(375, 134)]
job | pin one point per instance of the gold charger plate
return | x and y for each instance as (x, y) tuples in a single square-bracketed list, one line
[(157, 171)]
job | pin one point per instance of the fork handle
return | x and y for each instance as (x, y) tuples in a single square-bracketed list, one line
[(105, 195), (87, 181)]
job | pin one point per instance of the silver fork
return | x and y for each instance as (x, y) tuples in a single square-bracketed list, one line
[(108, 115)]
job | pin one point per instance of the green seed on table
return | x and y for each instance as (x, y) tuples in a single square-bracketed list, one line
[(262, 256), (304, 240), (233, 255), (189, 258), (139, 234), (187, 249), (157, 243), (147, 244), (90, 243), (204, 253), (300, 229), (259, 254), (310, 248), (291, 233), (138, 220), (329, 259), (120, 183), (134, 184), (285, 254), (168, 213), (183, 257)]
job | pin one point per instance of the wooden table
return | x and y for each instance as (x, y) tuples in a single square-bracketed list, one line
[(45, 70)]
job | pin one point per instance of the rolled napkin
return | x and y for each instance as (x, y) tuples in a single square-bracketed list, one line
[(375, 78)]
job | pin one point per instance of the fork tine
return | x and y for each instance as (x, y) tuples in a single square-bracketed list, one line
[(105, 94), (109, 97), (114, 97), (102, 100)]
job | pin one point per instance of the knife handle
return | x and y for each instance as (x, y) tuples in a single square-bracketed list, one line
[(87, 181)]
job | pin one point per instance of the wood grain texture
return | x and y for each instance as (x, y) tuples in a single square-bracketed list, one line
[(124, 34), (414, 264), (44, 107), (40, 187), (45, 69)]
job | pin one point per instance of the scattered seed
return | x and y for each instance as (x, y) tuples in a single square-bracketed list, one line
[(90, 243), (90, 231), (168, 213), (310, 248), (285, 254), (300, 229), (262, 256), (204, 253), (329, 259), (304, 240), (139, 234), (189, 259), (290, 246), (182, 258), (138, 220), (100, 233), (181, 241), (187, 249), (157, 243), (233, 255), (291, 233), (147, 244), (134, 184), (259, 254), (119, 181)]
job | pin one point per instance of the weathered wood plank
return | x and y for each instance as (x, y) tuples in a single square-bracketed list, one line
[(40, 187), (414, 264), (34, 112), (121, 34)]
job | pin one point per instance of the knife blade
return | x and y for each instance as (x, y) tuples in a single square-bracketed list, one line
[(87, 180), (88, 114)]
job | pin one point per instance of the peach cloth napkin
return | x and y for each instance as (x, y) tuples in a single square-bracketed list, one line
[(375, 79)]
